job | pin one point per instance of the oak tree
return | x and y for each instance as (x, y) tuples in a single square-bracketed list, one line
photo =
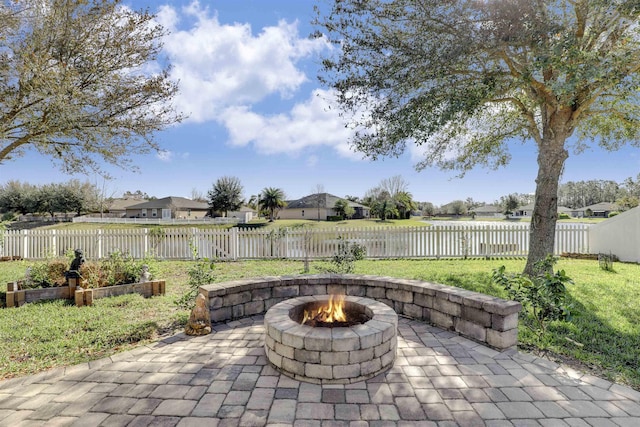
[(465, 79), (81, 81)]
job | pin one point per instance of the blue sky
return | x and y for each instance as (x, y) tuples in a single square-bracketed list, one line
[(247, 73)]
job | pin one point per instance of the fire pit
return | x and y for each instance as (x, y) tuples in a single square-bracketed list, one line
[(308, 339)]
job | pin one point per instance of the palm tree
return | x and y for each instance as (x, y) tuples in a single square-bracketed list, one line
[(272, 199)]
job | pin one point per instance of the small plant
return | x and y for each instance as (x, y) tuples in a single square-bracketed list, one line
[(120, 268), (543, 296), (200, 273), (45, 274), (606, 261), (343, 261)]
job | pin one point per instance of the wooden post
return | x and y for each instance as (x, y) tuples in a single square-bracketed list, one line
[(79, 297)]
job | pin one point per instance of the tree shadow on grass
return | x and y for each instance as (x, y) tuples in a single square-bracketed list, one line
[(592, 343)]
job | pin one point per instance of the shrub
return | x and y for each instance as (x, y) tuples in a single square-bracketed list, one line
[(119, 268), (46, 274), (614, 213), (200, 273), (346, 255), (563, 216), (543, 296)]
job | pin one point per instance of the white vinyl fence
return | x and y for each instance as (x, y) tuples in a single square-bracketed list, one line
[(237, 243)]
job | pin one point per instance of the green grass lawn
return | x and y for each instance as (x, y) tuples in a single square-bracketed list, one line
[(606, 321)]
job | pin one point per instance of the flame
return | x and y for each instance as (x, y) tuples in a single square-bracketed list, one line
[(333, 311)]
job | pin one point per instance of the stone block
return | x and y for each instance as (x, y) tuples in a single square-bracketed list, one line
[(274, 358), (447, 307), (316, 340), (236, 298), (254, 307), (475, 315), (397, 306), (237, 311), (293, 366), (381, 349), (413, 311), (376, 292), (471, 330), (294, 337), (334, 358), (346, 371), (502, 307), (359, 356), (442, 320), (368, 337), (307, 356), (286, 291), (284, 350), (313, 289), (388, 358), (356, 290), (504, 323), (336, 289), (220, 314), (423, 300), (269, 342), (318, 371), (370, 366), (260, 294), (399, 295), (271, 302), (344, 339), (502, 340)]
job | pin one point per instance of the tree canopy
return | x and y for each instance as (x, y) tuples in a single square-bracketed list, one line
[(271, 199), (226, 194), (464, 79), (80, 81)]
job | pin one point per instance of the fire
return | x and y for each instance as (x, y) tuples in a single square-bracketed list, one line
[(333, 311)]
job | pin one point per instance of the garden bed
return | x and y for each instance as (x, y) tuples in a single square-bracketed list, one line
[(17, 296)]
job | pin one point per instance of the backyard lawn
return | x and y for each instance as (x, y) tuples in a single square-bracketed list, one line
[(603, 335)]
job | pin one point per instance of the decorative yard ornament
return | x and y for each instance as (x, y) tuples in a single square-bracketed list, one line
[(200, 319)]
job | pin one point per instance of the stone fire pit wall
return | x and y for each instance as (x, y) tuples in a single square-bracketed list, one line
[(489, 320)]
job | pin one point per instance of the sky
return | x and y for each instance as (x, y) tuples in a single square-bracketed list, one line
[(247, 72)]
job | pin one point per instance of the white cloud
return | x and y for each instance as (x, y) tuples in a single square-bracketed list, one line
[(221, 66), (312, 123), (165, 156)]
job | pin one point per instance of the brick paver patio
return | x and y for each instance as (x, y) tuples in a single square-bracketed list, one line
[(223, 379)]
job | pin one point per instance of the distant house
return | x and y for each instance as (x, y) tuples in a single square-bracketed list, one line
[(599, 210), (118, 207), (168, 208), (488, 211), (523, 211), (319, 207), (526, 211), (245, 213)]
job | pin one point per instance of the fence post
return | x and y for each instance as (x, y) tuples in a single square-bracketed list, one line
[(99, 243), (233, 243), (54, 246), (25, 244), (145, 244)]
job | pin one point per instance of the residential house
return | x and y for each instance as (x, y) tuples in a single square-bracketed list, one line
[(599, 210), (168, 208), (523, 211), (319, 207), (491, 211), (117, 208), (245, 213), (526, 211)]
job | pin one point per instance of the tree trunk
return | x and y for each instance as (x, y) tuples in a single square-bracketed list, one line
[(551, 158)]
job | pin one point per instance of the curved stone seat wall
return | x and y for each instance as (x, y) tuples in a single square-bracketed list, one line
[(482, 318)]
